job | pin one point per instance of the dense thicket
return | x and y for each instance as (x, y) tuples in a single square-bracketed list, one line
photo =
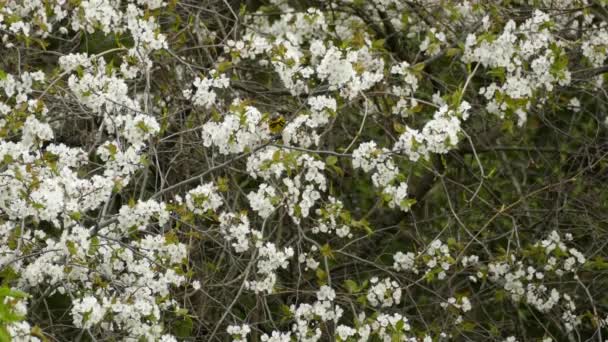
[(345, 170)]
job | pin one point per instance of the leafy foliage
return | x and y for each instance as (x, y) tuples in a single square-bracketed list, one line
[(347, 170)]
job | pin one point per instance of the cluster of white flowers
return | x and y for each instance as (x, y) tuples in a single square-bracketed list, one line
[(406, 91), (387, 325), (382, 326), (525, 281), (73, 224), (108, 17), (303, 190), (463, 303), (433, 42), (238, 332), (270, 259), (436, 259), (203, 198), (385, 293), (100, 14), (140, 215), (386, 175), (239, 130), (113, 285), (351, 72), (529, 57), (87, 312), (439, 135), (296, 35), (300, 192), (205, 96), (38, 19), (405, 262), (146, 37), (308, 259), (307, 315), (268, 163), (133, 278), (595, 43), (20, 87), (332, 219), (237, 231), (301, 130), (106, 93), (264, 200), (18, 331)]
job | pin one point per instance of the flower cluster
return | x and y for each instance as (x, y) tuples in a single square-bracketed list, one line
[(436, 260), (204, 95), (239, 130), (270, 260), (299, 192), (167, 166), (386, 175), (203, 199), (528, 57), (384, 293)]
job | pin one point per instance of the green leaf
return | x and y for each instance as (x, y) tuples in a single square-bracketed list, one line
[(37, 332), (223, 66), (76, 216), (378, 44), (276, 156), (407, 203), (71, 247), (143, 127), (331, 160), (398, 127), (94, 247), (351, 286), (417, 68), (362, 224), (8, 274), (17, 294), (183, 327), (243, 10), (321, 276), (500, 295), (112, 149), (6, 316), (326, 251), (4, 335), (223, 184), (452, 52), (399, 325), (468, 326)]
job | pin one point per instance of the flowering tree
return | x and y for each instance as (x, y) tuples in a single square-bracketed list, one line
[(345, 170)]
